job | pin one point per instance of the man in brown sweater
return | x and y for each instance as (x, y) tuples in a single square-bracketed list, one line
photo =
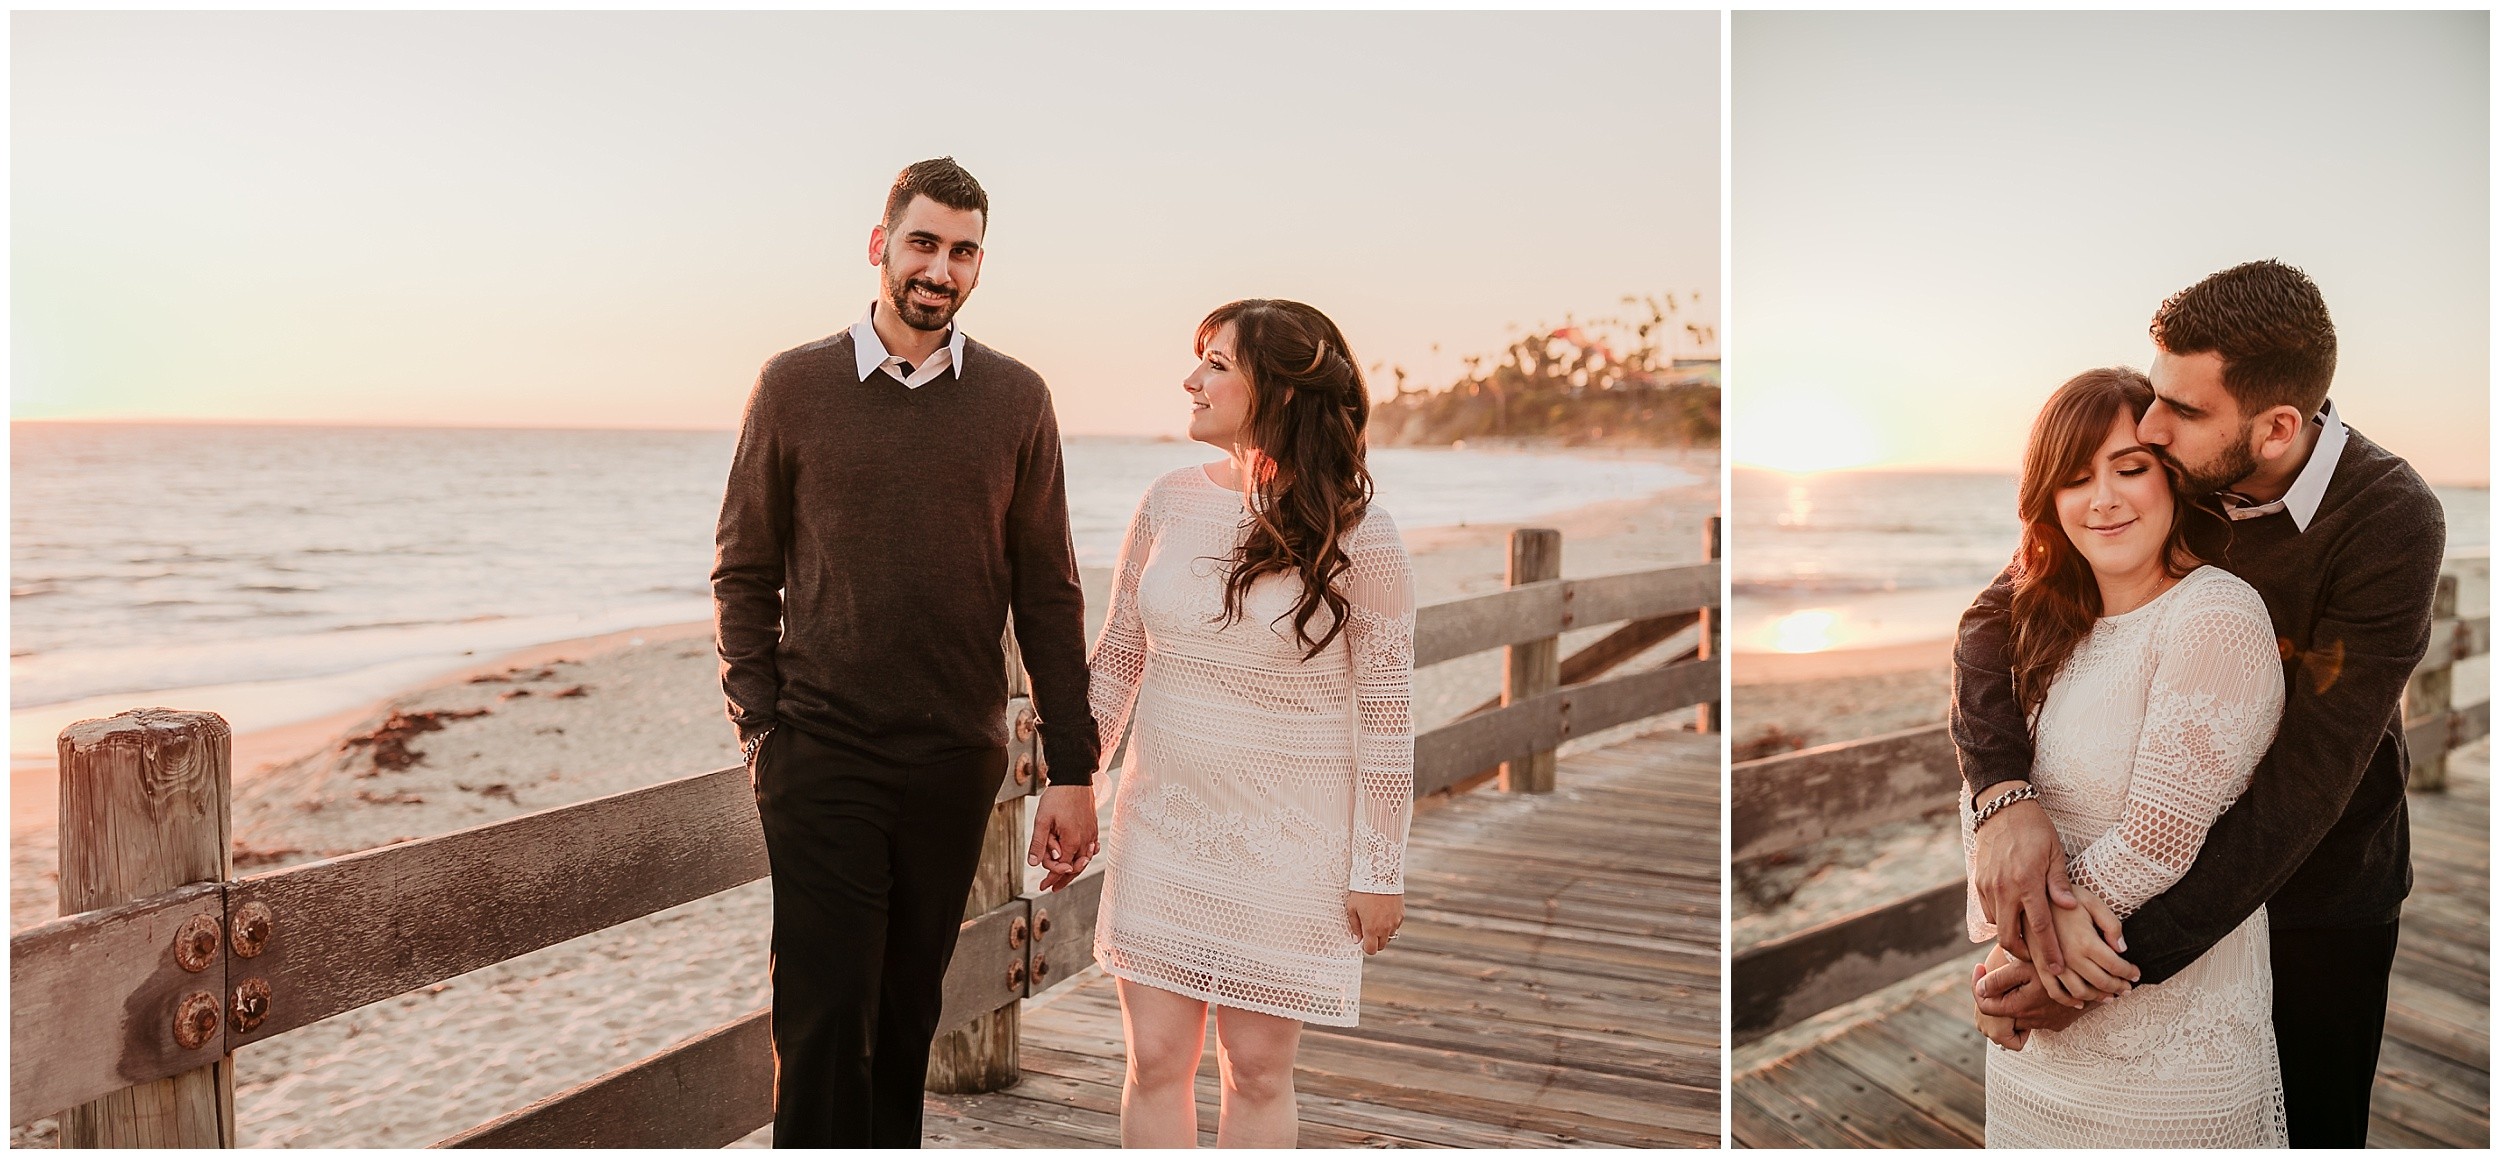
[(2344, 541), (896, 491)]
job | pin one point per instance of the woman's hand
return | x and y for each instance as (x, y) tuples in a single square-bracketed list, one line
[(1375, 918), (2092, 935)]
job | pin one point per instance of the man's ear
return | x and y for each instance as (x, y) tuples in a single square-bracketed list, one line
[(2282, 431), (876, 244)]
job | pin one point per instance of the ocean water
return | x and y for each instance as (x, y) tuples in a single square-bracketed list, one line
[(289, 572), (1853, 559)]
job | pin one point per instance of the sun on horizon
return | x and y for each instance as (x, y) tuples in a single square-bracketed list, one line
[(1806, 431)]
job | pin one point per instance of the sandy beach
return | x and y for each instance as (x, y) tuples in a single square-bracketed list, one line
[(565, 722)]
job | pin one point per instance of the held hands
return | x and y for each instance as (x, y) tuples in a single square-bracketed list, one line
[(1375, 918), (2093, 937), (2006, 988), (1996, 1028), (1063, 834), (2019, 870)]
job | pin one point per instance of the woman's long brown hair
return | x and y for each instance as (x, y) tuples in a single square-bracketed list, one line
[(2056, 600), (1308, 408)]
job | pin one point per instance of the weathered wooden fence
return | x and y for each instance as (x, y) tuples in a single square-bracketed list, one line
[(125, 1014), (1780, 804)]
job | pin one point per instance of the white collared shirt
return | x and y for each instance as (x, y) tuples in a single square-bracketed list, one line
[(871, 354), (2307, 491)]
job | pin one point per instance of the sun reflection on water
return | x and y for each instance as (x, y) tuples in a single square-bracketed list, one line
[(1806, 631)]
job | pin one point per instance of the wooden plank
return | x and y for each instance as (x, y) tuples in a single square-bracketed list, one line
[(2440, 1022), (1780, 803), (2455, 640), (1385, 1125), (1532, 668), (144, 808), (1775, 1118), (1955, 1100), (988, 971), (2436, 1075), (1941, 1026), (1063, 921), (92, 999), (1468, 744), (707, 1091), (1636, 595), (1464, 627), (1603, 654), (364, 927), (1595, 707), (1447, 631), (2425, 1113), (1759, 1126), (1859, 1107), (980, 1054), (1026, 771), (717, 1087), (2450, 730), (2386, 1133), (1781, 981)]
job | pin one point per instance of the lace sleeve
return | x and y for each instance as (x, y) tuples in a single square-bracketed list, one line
[(1118, 661), (1380, 635), (2216, 697)]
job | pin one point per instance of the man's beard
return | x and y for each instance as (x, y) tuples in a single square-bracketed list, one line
[(2236, 462), (919, 317)]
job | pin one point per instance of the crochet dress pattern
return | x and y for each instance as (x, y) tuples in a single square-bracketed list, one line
[(1259, 787), (2148, 733)]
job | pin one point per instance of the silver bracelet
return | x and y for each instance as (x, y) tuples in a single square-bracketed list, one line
[(2026, 793)]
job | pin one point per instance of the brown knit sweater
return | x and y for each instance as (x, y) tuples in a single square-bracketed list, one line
[(872, 540)]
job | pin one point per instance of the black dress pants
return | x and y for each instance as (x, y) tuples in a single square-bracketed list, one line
[(871, 864), (2330, 1007)]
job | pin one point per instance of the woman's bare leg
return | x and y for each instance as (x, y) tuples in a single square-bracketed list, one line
[(1166, 1034), (1256, 1051)]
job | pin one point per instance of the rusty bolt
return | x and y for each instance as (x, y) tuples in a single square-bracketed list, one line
[(1041, 969), (1024, 770), (1041, 922), (1015, 934), (195, 945), (253, 923), (251, 1004), (1026, 724), (1015, 976), (195, 1019)]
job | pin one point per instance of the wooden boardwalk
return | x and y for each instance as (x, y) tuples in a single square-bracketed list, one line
[(1556, 984), (1915, 1076)]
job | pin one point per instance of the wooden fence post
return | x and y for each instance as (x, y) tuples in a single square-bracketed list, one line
[(981, 1056), (144, 809), (1532, 669), (1708, 718), (2427, 694)]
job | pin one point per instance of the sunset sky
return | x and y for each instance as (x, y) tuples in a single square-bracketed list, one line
[(613, 219), (1940, 217)]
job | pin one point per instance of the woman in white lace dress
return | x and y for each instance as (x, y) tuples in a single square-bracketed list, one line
[(1260, 640), (2154, 686)]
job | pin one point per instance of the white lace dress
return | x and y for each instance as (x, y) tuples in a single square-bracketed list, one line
[(2147, 735), (1259, 787)]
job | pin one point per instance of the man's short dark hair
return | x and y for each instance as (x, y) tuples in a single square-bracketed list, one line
[(2268, 322), (940, 180)]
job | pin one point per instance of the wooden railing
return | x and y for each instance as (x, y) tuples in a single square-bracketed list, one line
[(1780, 804), (124, 1017)]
